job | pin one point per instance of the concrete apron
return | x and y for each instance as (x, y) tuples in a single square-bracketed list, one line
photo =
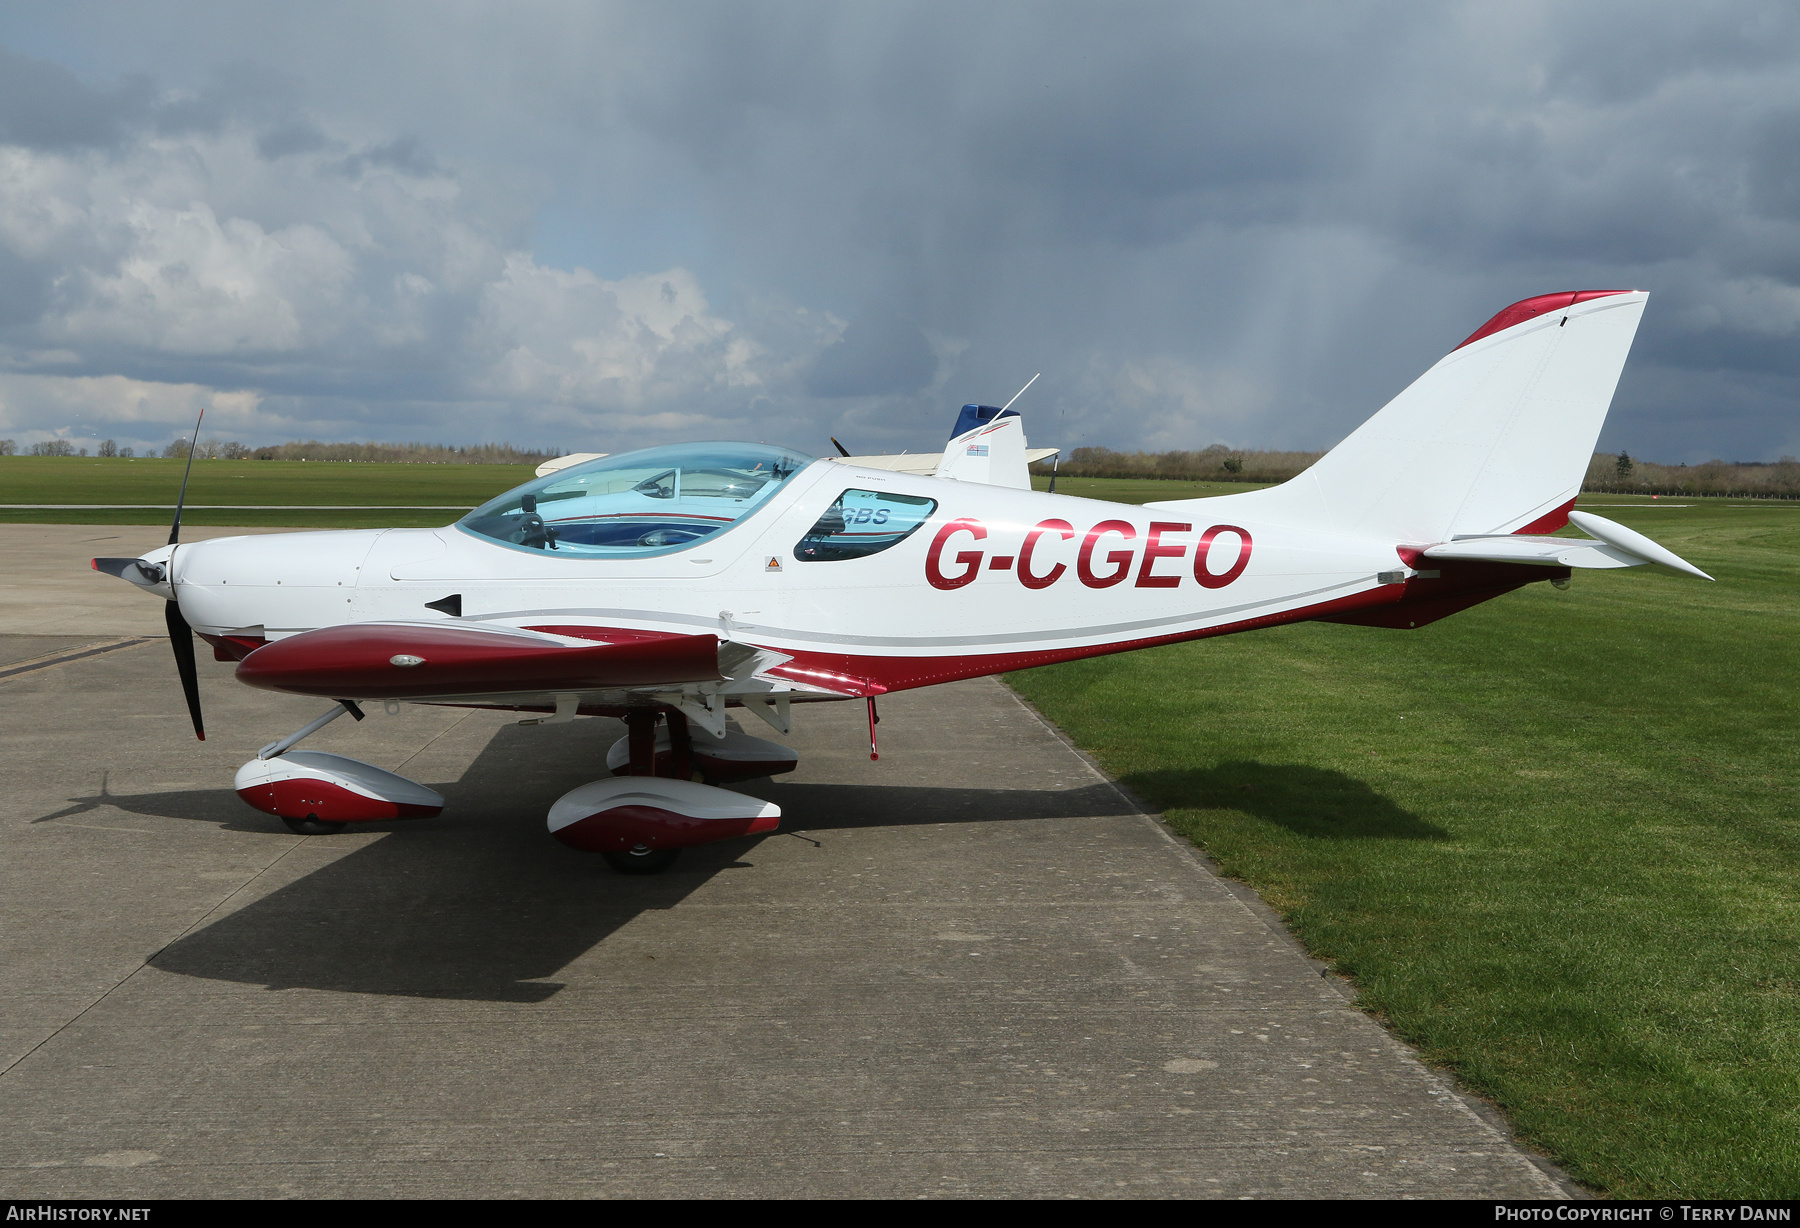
[(969, 969)]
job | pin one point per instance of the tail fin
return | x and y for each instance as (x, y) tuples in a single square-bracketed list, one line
[(987, 445), (1495, 438)]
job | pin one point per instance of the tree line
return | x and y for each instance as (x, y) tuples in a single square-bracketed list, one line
[(1607, 473), (1623, 474), (1214, 464)]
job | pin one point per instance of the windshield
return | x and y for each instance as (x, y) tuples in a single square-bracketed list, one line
[(638, 503)]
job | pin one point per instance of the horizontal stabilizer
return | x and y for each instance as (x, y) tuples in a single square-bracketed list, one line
[(1631, 541), (1609, 545), (926, 463), (563, 462), (1541, 551)]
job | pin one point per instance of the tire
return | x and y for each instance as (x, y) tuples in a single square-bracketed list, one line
[(650, 861), (313, 826)]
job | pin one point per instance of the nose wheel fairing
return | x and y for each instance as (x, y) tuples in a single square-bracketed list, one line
[(315, 786)]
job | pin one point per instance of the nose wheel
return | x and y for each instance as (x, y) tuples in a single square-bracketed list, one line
[(641, 860), (312, 825)]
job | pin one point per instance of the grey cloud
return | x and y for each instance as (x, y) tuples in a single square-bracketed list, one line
[(1203, 222), (24, 290), (45, 106), (296, 136), (404, 154), (877, 355)]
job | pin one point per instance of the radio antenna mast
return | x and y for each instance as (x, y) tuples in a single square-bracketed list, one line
[(1020, 392)]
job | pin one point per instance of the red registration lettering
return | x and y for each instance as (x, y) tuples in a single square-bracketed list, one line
[(1154, 549), (1121, 559), (970, 559), (1208, 579), (1060, 527)]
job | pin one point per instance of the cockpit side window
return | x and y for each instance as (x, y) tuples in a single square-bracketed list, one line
[(639, 503), (863, 522)]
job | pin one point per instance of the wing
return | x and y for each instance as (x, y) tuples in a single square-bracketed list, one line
[(433, 661)]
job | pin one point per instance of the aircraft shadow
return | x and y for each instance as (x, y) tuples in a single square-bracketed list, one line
[(480, 904), (1308, 801), (816, 807)]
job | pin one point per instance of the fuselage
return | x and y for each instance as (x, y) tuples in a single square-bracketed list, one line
[(989, 579)]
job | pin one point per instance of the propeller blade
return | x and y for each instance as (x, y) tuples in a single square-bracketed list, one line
[(842, 450), (175, 527), (181, 639)]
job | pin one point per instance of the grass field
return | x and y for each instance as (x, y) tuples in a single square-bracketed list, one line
[(55, 479), (394, 492), (1553, 839)]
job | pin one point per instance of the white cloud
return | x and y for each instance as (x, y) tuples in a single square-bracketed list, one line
[(327, 268), (143, 413), (574, 338), (191, 284), (198, 246)]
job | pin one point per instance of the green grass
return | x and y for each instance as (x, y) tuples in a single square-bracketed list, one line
[(304, 519), (58, 479), (1553, 839)]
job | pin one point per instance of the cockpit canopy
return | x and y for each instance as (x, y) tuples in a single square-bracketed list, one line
[(638, 504)]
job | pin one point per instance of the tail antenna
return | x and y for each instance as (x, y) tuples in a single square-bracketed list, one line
[(1020, 392), (175, 528)]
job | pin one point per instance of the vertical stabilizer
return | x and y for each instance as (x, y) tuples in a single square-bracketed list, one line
[(987, 445), (1495, 438)]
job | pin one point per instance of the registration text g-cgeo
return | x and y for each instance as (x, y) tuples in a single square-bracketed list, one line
[(1111, 552)]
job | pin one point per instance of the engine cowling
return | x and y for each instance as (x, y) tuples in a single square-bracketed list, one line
[(627, 813), (312, 784), (736, 756)]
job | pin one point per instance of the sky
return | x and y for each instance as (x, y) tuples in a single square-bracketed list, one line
[(600, 226)]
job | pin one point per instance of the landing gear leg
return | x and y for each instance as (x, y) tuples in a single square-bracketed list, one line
[(640, 728), (681, 746)]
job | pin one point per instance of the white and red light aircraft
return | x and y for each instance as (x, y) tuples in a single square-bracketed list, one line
[(671, 585)]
